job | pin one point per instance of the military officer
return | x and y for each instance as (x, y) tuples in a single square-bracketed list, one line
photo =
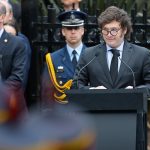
[(66, 58), (73, 30)]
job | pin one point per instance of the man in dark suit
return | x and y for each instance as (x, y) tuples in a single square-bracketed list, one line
[(132, 62), (66, 58), (13, 57), (10, 19)]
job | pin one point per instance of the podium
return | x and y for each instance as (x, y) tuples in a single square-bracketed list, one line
[(119, 116)]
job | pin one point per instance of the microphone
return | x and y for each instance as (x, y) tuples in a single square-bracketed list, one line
[(84, 67), (134, 83)]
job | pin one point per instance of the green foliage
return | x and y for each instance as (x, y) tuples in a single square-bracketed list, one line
[(16, 1)]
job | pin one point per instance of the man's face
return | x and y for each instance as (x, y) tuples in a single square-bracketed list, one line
[(113, 34), (9, 13), (73, 35)]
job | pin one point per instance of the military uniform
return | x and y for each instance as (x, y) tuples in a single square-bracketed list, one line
[(62, 58), (63, 65)]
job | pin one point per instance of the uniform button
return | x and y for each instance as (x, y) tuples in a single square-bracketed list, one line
[(60, 82), (5, 40)]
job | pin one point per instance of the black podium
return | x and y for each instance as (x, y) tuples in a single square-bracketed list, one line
[(119, 116)]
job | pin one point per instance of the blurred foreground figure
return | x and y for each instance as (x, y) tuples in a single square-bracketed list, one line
[(10, 107), (58, 130), (55, 130)]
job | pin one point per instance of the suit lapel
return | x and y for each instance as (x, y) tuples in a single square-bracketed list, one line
[(3, 41), (126, 56), (83, 49)]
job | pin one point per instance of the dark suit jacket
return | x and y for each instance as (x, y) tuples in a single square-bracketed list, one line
[(97, 72), (13, 57)]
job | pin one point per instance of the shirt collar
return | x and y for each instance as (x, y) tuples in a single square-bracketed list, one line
[(78, 49), (120, 48)]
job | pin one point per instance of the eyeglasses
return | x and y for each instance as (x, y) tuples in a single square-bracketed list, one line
[(73, 28), (113, 31)]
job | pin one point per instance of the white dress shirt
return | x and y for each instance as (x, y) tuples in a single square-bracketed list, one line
[(1, 32)]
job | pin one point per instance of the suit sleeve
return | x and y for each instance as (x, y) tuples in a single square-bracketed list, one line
[(146, 72), (19, 61), (146, 68)]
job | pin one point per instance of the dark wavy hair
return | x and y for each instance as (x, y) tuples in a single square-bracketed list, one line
[(114, 13)]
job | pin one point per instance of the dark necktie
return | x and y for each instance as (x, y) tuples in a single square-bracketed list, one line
[(74, 59), (114, 65)]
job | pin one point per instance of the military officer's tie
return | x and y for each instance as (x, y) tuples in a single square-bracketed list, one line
[(74, 59), (114, 65)]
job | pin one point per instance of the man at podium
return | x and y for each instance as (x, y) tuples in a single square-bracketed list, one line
[(116, 63)]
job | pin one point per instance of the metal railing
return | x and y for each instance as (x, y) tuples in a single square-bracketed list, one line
[(49, 35)]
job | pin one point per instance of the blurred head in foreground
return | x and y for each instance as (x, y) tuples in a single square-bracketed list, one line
[(56, 130)]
